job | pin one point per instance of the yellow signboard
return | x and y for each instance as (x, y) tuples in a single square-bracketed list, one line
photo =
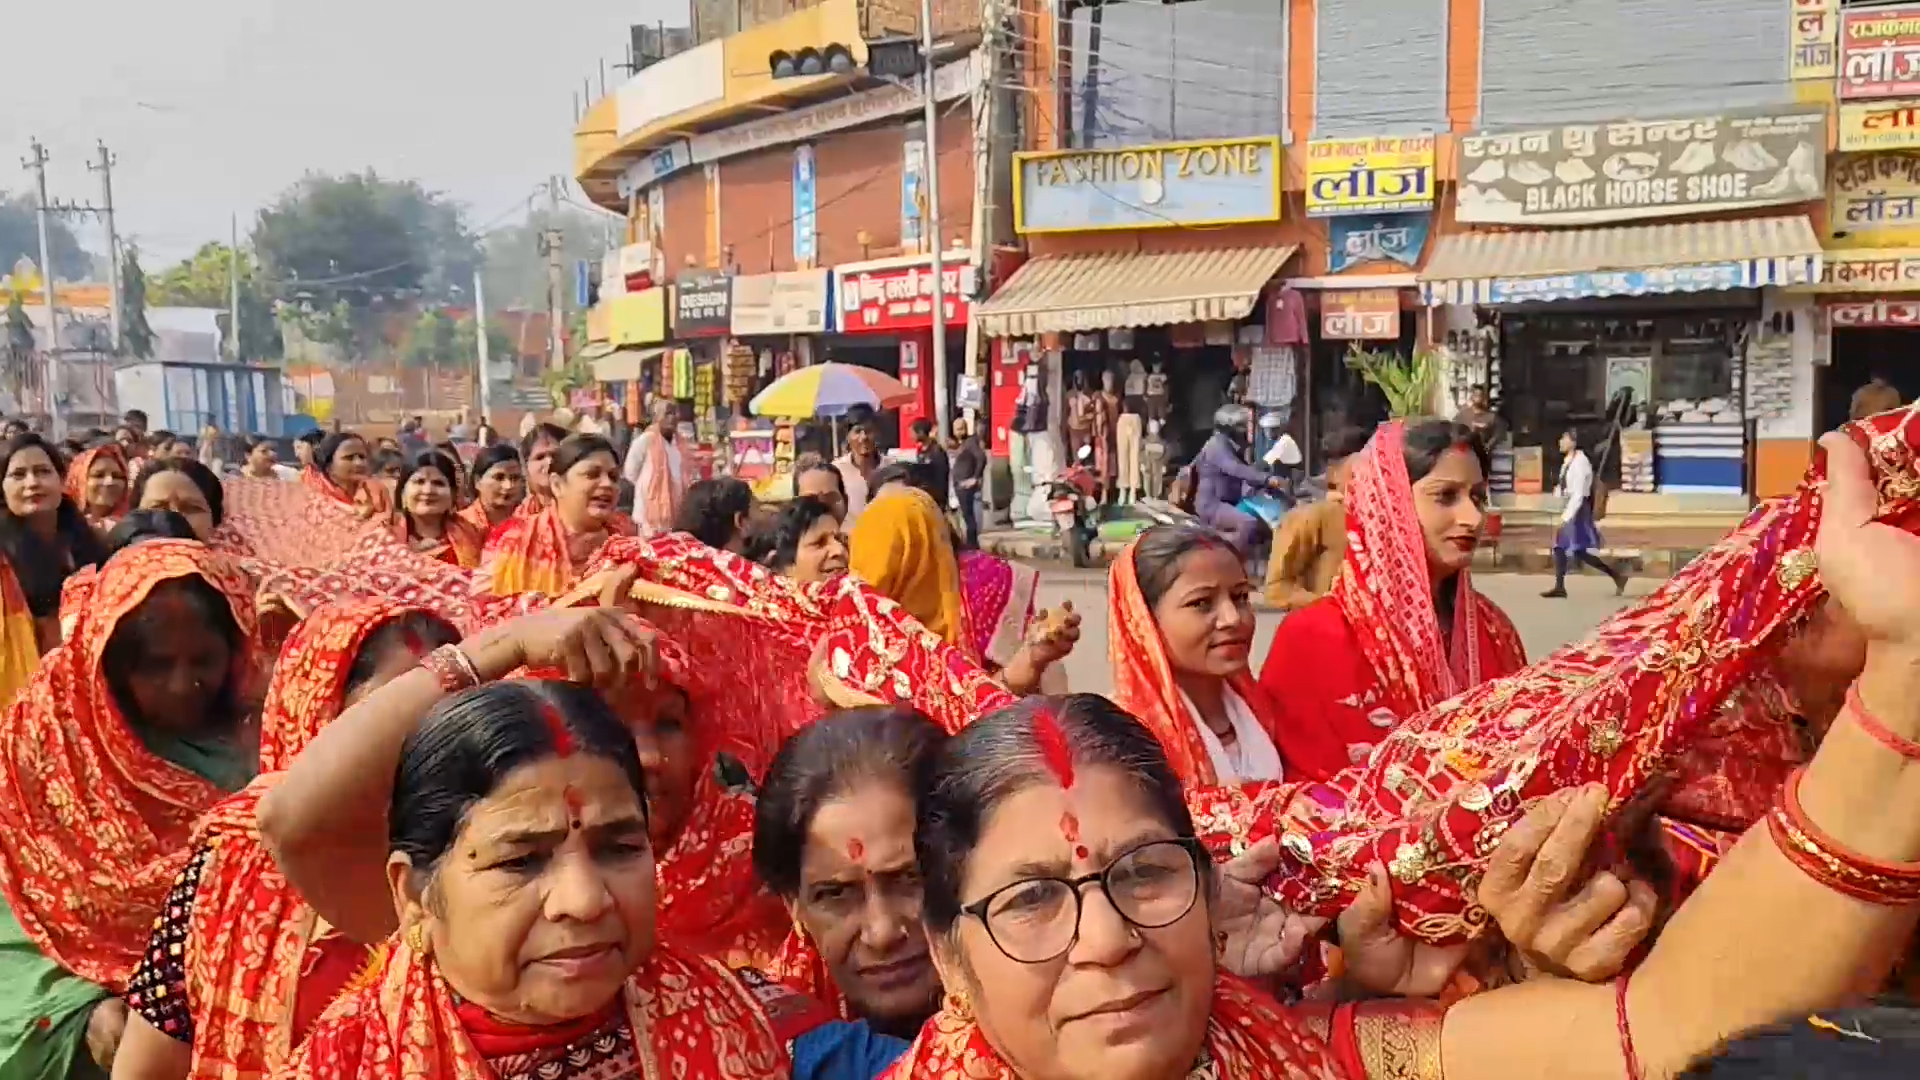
[(1873, 200), (1814, 44), (1880, 125), (1369, 176), (637, 318), (1876, 270)]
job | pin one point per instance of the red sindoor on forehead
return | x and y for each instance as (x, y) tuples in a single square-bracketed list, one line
[(856, 849), (557, 729)]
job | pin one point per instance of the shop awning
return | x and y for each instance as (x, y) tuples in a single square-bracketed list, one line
[(1109, 290), (1627, 260), (623, 365)]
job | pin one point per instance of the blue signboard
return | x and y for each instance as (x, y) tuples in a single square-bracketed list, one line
[(1708, 277), (804, 222), (582, 284), (1375, 237), (1167, 185)]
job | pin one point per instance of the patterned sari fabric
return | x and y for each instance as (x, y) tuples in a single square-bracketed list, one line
[(373, 499), (534, 554), (678, 1017), (999, 599), (1143, 681), (98, 824), (19, 634), (1249, 1037), (460, 543), (1677, 691), (902, 545), (1345, 669), (239, 966), (77, 483)]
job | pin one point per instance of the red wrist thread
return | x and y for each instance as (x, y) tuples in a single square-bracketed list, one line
[(1626, 1032)]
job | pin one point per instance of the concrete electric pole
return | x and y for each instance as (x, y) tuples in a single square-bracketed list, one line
[(36, 163), (551, 239), (942, 403), (104, 166)]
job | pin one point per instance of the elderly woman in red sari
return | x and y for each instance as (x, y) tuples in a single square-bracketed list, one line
[(208, 999), (121, 740), (521, 808), (342, 471), (548, 550), (1403, 628)]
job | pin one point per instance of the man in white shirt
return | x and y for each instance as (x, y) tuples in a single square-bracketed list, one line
[(655, 468), (1579, 535)]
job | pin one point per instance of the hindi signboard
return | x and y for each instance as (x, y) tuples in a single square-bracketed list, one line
[(1882, 312), (1812, 52), (1369, 176), (1359, 314), (1876, 270), (1879, 125), (1873, 200), (1880, 52), (1584, 174), (1376, 238)]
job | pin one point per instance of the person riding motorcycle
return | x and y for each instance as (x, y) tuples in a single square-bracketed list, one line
[(1222, 476)]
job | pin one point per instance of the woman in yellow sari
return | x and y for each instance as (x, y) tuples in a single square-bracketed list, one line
[(44, 540), (547, 551), (903, 546)]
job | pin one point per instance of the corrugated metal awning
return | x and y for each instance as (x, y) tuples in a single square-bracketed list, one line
[(623, 365), (1625, 260), (1108, 290)]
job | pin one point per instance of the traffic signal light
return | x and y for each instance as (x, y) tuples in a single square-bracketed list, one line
[(832, 59)]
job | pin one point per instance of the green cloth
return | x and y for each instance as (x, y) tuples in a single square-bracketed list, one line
[(44, 1008)]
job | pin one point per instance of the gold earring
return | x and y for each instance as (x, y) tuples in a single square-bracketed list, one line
[(417, 938), (957, 1005)]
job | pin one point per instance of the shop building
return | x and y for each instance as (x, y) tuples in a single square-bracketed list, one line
[(1667, 345), (886, 319)]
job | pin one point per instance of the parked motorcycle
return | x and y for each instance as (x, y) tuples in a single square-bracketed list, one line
[(1072, 499)]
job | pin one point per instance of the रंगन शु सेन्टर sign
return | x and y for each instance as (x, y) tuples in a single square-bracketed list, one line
[(1585, 174), (1369, 176), (1159, 186)]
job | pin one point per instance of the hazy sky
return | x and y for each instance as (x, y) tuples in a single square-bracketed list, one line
[(213, 106)]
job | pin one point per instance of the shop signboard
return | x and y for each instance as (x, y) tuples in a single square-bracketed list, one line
[(1876, 270), (1160, 186), (1880, 125), (1901, 313), (654, 166), (1873, 200), (1369, 176), (1359, 314), (1813, 46), (805, 246), (702, 304), (793, 302), (1584, 174), (891, 299), (1376, 238), (1704, 277), (1880, 52), (637, 318)]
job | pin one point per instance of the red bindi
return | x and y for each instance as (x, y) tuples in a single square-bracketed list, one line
[(1080, 852), (574, 803), (1070, 827), (856, 849)]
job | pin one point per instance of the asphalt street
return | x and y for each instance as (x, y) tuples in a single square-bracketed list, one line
[(1544, 624)]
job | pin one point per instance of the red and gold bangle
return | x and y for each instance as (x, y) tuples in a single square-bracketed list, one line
[(1620, 1024), (1824, 860), (1872, 725), (452, 668)]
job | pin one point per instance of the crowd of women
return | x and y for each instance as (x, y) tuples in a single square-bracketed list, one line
[(450, 770)]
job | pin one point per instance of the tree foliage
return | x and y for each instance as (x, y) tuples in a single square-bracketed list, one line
[(516, 264), (17, 359), (201, 281), (20, 235), (135, 335), (430, 342)]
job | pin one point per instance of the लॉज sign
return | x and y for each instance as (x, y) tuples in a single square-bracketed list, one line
[(1584, 174), (1880, 52), (1366, 176)]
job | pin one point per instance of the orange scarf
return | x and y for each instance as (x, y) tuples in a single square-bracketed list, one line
[(1249, 1037), (1143, 682), (97, 824), (460, 540), (77, 482), (250, 938), (533, 554), (373, 499), (694, 1018)]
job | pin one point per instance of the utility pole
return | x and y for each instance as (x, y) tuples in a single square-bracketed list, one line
[(233, 287), (486, 364), (551, 239), (36, 163), (942, 406), (104, 166), (983, 235)]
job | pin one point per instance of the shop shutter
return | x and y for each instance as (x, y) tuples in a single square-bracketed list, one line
[(1381, 67), (1200, 70), (1551, 61)]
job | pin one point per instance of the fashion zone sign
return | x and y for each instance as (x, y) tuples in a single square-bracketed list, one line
[(1584, 174)]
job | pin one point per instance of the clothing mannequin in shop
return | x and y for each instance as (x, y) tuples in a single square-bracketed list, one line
[(1127, 432), (1029, 418), (1157, 394), (1153, 462), (1080, 413), (1106, 418), (1136, 378)]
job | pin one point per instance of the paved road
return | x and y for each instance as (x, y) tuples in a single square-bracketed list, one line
[(1544, 624)]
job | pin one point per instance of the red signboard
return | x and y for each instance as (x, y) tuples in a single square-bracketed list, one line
[(1875, 313), (1880, 52), (892, 299)]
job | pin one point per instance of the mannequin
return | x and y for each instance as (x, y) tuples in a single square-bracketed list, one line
[(1136, 378), (1153, 462), (1127, 432), (1157, 394), (1106, 418), (1029, 419), (1080, 416)]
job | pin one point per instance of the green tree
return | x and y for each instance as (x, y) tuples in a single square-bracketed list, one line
[(20, 235), (516, 268), (201, 281), (431, 341), (466, 341), (135, 335), (18, 356)]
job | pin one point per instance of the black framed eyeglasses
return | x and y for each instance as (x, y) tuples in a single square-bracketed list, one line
[(1038, 919)]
